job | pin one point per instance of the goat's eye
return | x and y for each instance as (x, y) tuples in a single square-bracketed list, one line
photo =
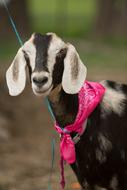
[(62, 53)]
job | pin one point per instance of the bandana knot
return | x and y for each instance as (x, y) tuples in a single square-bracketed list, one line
[(67, 148), (89, 97)]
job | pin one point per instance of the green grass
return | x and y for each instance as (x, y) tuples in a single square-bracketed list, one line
[(101, 55), (74, 19), (8, 50), (115, 59), (66, 17), (73, 6)]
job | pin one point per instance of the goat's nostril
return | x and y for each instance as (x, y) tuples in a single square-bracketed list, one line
[(44, 80), (40, 81)]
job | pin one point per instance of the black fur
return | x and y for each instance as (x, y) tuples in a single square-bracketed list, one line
[(59, 67), (65, 109), (41, 43), (90, 171)]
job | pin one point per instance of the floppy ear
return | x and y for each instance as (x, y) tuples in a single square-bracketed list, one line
[(74, 73), (16, 74)]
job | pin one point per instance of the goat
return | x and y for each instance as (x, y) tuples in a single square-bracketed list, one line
[(57, 72)]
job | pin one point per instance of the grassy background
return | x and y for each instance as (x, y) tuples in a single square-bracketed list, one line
[(69, 17), (73, 21)]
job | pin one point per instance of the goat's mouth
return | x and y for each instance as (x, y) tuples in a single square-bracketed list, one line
[(42, 92)]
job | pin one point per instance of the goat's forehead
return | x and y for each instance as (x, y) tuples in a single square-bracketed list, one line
[(44, 43), (56, 44), (41, 42), (42, 49)]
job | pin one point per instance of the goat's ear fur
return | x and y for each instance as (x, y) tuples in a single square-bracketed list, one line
[(74, 73), (16, 74)]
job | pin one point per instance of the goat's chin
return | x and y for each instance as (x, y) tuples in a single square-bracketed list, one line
[(42, 93)]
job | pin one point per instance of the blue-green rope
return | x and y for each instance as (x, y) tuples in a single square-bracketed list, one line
[(21, 44), (52, 163), (13, 24), (47, 102), (50, 109)]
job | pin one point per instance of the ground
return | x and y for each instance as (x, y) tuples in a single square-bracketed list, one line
[(26, 130)]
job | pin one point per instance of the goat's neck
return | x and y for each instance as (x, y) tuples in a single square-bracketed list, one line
[(64, 106)]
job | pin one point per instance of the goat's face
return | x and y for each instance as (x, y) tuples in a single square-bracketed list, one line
[(51, 61)]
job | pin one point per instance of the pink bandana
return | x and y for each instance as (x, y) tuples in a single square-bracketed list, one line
[(89, 96)]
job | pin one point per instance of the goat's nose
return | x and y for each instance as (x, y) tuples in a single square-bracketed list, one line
[(40, 81)]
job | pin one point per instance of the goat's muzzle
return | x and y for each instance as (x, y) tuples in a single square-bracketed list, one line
[(41, 83)]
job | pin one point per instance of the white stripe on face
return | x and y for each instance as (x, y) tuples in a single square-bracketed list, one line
[(30, 50), (56, 45)]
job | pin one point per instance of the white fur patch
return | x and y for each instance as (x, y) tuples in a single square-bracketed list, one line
[(114, 183), (113, 100), (30, 49), (16, 74), (123, 155), (100, 156), (104, 147), (55, 46), (86, 186), (104, 143), (99, 188), (73, 79)]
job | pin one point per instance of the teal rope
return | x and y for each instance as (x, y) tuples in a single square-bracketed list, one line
[(21, 44), (52, 163), (47, 102), (52, 144), (50, 109), (13, 24)]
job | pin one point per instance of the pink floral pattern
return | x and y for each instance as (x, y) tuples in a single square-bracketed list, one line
[(89, 96)]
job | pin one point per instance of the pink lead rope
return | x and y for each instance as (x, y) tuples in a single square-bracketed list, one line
[(89, 96)]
